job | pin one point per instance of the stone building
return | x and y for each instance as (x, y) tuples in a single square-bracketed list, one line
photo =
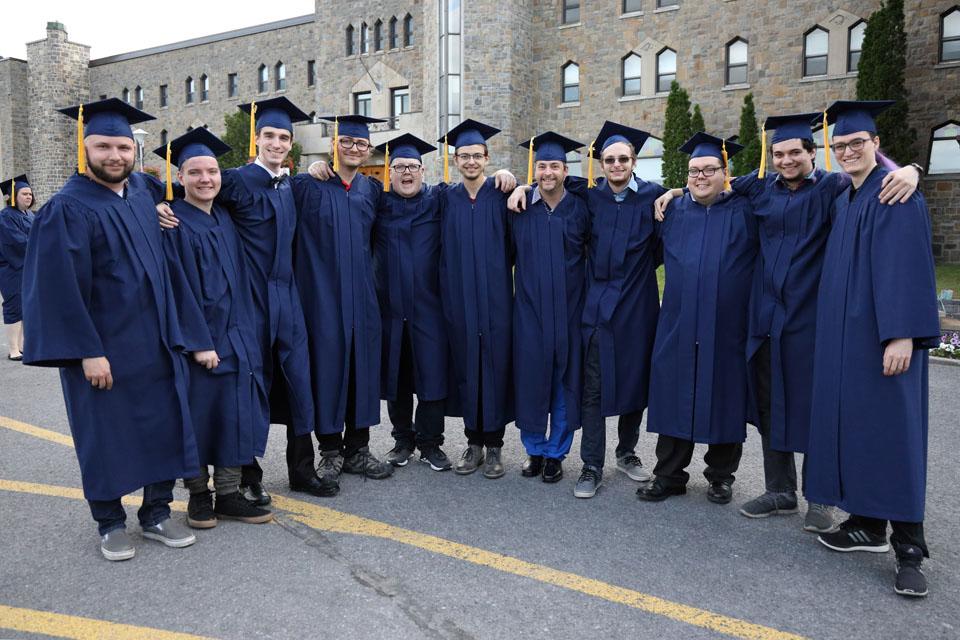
[(524, 67)]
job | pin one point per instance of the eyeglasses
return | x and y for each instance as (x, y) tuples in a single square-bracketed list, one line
[(406, 168), (706, 171), (347, 143), (854, 145), (466, 157), (612, 160)]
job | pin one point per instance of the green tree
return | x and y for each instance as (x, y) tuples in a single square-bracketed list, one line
[(676, 131), (238, 137), (696, 121), (748, 159), (881, 77)]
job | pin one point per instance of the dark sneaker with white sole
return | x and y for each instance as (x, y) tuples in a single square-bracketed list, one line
[(170, 533), (117, 545), (910, 579), (200, 513), (234, 506), (436, 458), (850, 537), (400, 455)]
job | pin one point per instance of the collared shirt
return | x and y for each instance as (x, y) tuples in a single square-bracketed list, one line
[(632, 185), (536, 198), (266, 168), (812, 177)]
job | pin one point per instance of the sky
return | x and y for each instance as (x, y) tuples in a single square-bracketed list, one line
[(111, 27)]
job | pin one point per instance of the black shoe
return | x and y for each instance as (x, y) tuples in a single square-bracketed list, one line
[(850, 537), (234, 506), (720, 492), (314, 486), (658, 491), (552, 470), (910, 579), (255, 493), (436, 458), (200, 514), (400, 455), (532, 467), (366, 464)]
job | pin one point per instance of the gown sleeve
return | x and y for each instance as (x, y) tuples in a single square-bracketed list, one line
[(186, 282), (749, 186), (13, 242)]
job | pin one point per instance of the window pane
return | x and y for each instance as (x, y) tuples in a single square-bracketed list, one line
[(815, 66), (816, 43), (951, 24), (631, 86), (951, 50), (667, 3), (737, 75), (453, 94), (737, 52), (571, 93), (664, 81), (854, 61), (667, 62), (945, 156), (453, 16), (629, 6), (571, 12), (856, 36), (571, 74), (453, 46), (631, 66), (951, 131)]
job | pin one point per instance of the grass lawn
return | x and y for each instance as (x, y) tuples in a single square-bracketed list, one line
[(948, 277)]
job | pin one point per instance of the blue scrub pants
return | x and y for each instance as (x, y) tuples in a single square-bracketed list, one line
[(557, 444)]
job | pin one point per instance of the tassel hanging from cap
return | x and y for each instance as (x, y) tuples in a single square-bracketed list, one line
[(386, 169), (169, 195), (530, 163), (13, 193), (252, 146), (81, 152), (446, 160), (827, 164), (763, 154), (336, 144), (726, 166), (590, 181)]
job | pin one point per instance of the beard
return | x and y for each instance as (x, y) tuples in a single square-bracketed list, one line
[(100, 172)]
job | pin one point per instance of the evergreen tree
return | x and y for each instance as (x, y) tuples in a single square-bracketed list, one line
[(676, 131), (696, 121), (238, 137), (881, 77), (748, 159)]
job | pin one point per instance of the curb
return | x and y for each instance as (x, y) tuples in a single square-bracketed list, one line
[(950, 362)]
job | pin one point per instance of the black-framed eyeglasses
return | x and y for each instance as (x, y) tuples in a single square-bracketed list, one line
[(347, 143), (708, 172), (612, 160), (854, 145), (466, 157), (406, 168)]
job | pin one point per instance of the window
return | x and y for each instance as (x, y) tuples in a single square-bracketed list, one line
[(263, 79), (855, 45), (279, 76), (450, 64), (189, 89), (204, 88), (950, 35), (649, 166), (666, 69), (378, 35), (125, 95), (408, 30), (944, 149), (313, 117), (815, 45), (138, 98), (233, 86), (393, 33), (821, 150), (631, 75), (571, 12), (163, 137), (631, 6), (571, 82), (350, 45), (400, 101), (163, 95), (364, 38), (574, 163), (737, 62), (362, 103), (663, 4), (103, 96), (311, 73)]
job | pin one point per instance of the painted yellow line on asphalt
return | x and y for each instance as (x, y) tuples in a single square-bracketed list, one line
[(56, 491), (326, 519), (36, 432), (77, 628)]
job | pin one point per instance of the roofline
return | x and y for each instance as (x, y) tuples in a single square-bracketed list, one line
[(5, 58), (217, 37)]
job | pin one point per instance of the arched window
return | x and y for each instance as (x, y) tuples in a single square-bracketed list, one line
[(393, 43), (855, 44), (189, 89), (350, 40), (125, 95), (138, 97), (666, 69), (163, 137), (815, 47), (630, 68), (571, 12), (570, 74), (364, 38), (378, 35), (204, 88), (950, 35), (408, 30), (263, 79), (630, 6), (737, 51), (649, 166), (945, 149), (279, 76)]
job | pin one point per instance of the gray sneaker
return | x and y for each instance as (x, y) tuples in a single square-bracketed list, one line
[(492, 466), (631, 465), (170, 533), (819, 518), (331, 463), (590, 480), (363, 463), (470, 460), (771, 504), (117, 545)]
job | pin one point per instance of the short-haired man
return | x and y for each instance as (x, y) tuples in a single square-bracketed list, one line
[(15, 222)]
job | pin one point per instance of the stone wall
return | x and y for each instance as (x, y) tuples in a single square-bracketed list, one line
[(943, 200), (14, 118)]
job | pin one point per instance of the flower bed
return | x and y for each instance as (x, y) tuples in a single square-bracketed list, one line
[(949, 346)]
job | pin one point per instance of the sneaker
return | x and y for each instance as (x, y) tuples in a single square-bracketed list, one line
[(850, 537), (234, 506), (436, 458), (492, 466), (470, 460), (255, 493), (400, 455), (363, 463), (170, 533), (117, 545), (631, 465), (910, 579), (771, 503), (331, 462), (200, 514), (819, 518), (590, 480), (552, 470)]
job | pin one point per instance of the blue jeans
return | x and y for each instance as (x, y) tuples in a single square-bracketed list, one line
[(111, 516), (557, 445)]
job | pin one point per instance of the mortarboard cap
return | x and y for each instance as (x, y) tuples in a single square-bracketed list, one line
[(110, 117), (469, 132), (552, 146), (353, 125), (705, 145), (790, 127), (612, 132), (20, 182), (279, 113), (407, 146), (851, 116), (197, 142)]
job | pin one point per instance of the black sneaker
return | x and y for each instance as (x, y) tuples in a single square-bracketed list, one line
[(366, 464), (200, 514), (436, 458), (850, 537), (255, 493), (910, 579), (234, 506), (400, 455)]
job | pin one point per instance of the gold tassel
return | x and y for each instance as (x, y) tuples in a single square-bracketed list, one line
[(827, 165), (336, 144), (590, 181), (446, 160), (169, 194), (530, 163), (252, 148), (726, 166), (13, 193), (81, 152), (763, 154), (386, 169)]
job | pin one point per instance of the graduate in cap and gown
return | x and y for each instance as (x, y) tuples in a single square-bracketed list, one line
[(876, 318), (15, 222), (698, 380), (550, 247), (228, 400), (99, 304)]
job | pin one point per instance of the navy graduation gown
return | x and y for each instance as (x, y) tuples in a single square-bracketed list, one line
[(229, 404), (794, 226), (406, 259), (550, 282), (698, 383), (266, 219), (96, 284), (476, 284), (14, 230), (868, 432), (622, 300), (334, 269)]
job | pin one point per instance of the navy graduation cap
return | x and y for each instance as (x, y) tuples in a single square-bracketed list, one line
[(355, 126), (851, 116), (789, 127), (279, 113), (111, 117), (406, 146), (11, 186), (703, 145), (197, 142), (612, 132), (550, 146), (469, 132)]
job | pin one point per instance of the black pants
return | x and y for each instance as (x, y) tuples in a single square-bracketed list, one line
[(674, 455), (593, 440), (779, 467), (903, 532), (428, 431), (484, 437)]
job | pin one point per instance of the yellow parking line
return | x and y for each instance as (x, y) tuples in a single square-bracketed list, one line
[(326, 519), (64, 626), (36, 432)]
